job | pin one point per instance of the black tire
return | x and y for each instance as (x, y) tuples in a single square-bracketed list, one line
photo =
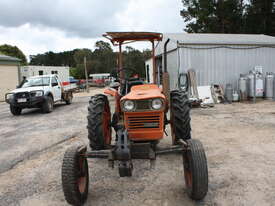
[(70, 99), (15, 110), (195, 170), (180, 116), (75, 176), (99, 122), (47, 106)]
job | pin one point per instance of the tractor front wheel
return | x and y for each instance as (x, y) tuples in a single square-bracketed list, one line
[(99, 122), (195, 170), (75, 176)]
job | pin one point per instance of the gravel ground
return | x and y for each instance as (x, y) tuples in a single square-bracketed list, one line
[(238, 139)]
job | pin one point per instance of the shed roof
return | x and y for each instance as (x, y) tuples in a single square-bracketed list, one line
[(222, 39), (8, 58)]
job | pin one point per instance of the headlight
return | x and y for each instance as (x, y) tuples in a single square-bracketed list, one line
[(129, 105), (157, 104), (39, 93), (9, 96)]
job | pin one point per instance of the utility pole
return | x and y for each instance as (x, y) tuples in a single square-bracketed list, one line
[(86, 75)]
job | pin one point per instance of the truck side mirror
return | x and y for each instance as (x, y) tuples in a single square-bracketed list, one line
[(54, 84), (183, 82)]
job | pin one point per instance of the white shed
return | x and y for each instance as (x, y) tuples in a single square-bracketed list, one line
[(216, 58), (9, 74)]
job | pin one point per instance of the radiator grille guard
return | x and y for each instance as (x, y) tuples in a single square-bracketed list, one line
[(152, 121)]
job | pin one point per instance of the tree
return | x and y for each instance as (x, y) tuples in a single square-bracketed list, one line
[(213, 16), (13, 51), (104, 59), (54, 59), (101, 60), (134, 60), (260, 17)]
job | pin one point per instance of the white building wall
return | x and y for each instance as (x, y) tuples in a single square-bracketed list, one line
[(224, 64), (62, 72), (217, 65), (149, 63)]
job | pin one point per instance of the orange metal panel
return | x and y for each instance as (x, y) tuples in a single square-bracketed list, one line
[(145, 91), (137, 125)]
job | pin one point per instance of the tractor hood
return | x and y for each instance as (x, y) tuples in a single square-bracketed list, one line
[(145, 91)]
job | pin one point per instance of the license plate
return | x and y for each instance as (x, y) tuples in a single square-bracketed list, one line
[(22, 100)]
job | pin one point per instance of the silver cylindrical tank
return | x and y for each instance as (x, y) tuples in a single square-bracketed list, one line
[(243, 88), (259, 85), (235, 96), (269, 85), (229, 93)]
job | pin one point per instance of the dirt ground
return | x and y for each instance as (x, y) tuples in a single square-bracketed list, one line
[(239, 140)]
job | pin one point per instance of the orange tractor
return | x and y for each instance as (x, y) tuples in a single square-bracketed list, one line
[(139, 122)]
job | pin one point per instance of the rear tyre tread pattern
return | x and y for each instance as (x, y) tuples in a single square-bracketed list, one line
[(95, 125), (180, 109)]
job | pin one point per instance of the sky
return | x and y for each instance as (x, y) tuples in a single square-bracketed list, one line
[(38, 26)]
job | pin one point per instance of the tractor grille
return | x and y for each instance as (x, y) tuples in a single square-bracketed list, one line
[(143, 104), (143, 122)]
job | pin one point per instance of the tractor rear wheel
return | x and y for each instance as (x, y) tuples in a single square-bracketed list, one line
[(99, 122), (195, 170), (75, 176), (180, 116)]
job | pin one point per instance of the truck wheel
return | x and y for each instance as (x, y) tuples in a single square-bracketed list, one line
[(75, 176), (195, 170), (47, 106), (15, 110), (99, 122), (70, 99), (180, 116)]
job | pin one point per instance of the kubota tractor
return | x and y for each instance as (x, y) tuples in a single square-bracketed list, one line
[(139, 122)]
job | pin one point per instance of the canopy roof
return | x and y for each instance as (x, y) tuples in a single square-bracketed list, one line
[(122, 37)]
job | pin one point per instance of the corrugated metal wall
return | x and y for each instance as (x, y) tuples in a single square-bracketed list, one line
[(216, 64)]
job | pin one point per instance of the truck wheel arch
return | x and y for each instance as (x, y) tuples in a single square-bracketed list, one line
[(49, 94)]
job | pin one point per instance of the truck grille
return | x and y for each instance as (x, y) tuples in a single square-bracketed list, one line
[(22, 95), (143, 122)]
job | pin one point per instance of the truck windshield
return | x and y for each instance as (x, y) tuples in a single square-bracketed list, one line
[(35, 82)]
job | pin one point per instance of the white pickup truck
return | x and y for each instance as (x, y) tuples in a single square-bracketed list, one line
[(39, 92)]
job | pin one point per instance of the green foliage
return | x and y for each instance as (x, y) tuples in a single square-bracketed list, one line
[(214, 16), (260, 17), (54, 59), (229, 16), (13, 51), (134, 59), (102, 60)]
